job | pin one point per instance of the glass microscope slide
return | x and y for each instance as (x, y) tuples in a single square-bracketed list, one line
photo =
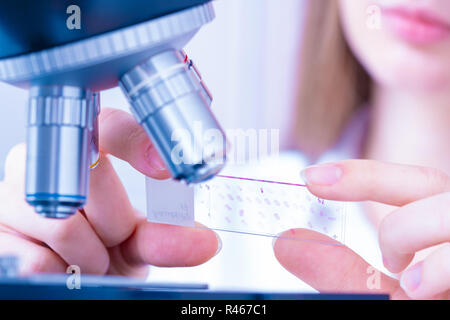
[(245, 205)]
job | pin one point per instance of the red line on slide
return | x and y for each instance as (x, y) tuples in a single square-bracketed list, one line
[(266, 181)]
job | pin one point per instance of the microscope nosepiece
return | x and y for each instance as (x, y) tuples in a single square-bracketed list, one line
[(169, 99)]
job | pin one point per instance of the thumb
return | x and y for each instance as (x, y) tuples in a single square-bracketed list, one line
[(329, 266)]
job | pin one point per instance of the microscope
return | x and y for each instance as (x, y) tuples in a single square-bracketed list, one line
[(67, 51)]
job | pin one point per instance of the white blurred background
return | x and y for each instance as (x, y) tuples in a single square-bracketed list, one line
[(248, 58)]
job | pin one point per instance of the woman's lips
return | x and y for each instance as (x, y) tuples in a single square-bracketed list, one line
[(417, 27)]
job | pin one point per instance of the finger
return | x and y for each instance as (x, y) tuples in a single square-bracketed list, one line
[(33, 258), (73, 239), (170, 246), (328, 266), (15, 167), (121, 136), (414, 227), (121, 267), (360, 180), (108, 209), (5, 229), (430, 277)]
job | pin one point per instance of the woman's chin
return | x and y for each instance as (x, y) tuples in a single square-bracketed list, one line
[(417, 80)]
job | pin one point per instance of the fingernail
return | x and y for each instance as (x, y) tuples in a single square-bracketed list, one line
[(155, 160), (410, 279), (324, 174), (219, 244)]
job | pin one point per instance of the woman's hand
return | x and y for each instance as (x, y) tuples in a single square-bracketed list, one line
[(422, 220), (109, 236)]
